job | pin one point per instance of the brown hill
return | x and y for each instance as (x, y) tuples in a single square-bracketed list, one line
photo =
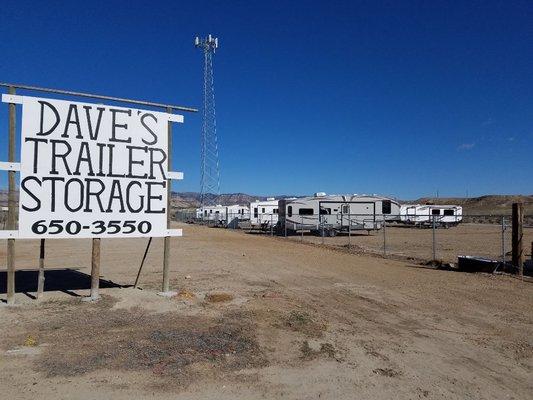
[(484, 205), (192, 199)]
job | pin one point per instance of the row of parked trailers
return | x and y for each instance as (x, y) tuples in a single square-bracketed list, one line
[(329, 215)]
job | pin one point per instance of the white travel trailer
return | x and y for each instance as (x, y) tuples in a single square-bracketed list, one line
[(420, 214), (223, 215), (328, 215), (264, 214)]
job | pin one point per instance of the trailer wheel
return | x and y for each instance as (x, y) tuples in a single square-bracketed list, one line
[(332, 232)]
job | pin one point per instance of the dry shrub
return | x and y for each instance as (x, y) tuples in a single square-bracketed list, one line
[(300, 321), (308, 353), (185, 294)]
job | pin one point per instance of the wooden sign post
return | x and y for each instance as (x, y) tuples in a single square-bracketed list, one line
[(11, 223)]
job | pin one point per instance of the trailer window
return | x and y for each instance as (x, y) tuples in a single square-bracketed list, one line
[(386, 207), (448, 212), (306, 211), (345, 209), (435, 211), (255, 212), (289, 211), (263, 210), (275, 210), (325, 211)]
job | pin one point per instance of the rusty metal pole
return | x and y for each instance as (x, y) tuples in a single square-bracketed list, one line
[(166, 245), (11, 223), (95, 270), (518, 244), (40, 279)]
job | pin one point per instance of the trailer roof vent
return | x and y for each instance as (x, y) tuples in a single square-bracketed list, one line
[(320, 194), (271, 198)]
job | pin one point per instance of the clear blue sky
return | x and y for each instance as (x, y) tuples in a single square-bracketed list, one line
[(341, 97)]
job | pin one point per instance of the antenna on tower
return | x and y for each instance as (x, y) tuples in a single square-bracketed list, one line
[(210, 173)]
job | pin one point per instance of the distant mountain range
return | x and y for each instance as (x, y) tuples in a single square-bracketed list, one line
[(192, 199)]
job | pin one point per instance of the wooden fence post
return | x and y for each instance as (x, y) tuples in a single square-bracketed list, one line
[(11, 222), (518, 247)]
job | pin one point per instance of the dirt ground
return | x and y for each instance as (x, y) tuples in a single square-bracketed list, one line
[(482, 240), (259, 317)]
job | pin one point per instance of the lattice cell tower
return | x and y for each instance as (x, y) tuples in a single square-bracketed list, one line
[(210, 173)]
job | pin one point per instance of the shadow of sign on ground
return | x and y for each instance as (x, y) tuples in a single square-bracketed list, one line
[(63, 279)]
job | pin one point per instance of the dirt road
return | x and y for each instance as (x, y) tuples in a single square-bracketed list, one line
[(260, 317)]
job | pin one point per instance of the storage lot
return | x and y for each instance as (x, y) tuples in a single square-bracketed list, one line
[(280, 320)]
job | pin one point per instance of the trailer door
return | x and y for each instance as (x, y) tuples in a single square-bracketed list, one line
[(343, 217)]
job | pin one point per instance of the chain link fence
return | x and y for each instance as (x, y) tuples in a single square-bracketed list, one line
[(421, 239)]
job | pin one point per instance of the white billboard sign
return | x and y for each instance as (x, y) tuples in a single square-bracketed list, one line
[(91, 170)]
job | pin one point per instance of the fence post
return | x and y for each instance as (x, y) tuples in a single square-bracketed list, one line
[(301, 230), (322, 226), (349, 231), (384, 238), (503, 240), (271, 226), (433, 239), (11, 224), (40, 278), (518, 245)]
